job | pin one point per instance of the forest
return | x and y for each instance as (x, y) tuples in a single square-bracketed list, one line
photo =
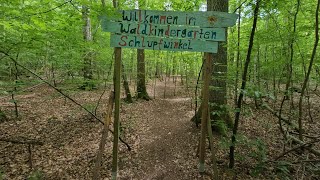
[(86, 95)]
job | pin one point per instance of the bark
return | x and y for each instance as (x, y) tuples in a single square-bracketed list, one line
[(87, 36), (126, 86), (238, 57), (243, 85), (141, 76), (218, 82)]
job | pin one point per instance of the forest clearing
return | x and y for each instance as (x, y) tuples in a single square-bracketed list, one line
[(168, 89)]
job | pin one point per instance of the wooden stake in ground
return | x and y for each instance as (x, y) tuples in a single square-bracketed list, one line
[(213, 150), (205, 102), (97, 166), (116, 124)]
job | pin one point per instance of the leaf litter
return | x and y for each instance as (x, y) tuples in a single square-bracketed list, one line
[(163, 139)]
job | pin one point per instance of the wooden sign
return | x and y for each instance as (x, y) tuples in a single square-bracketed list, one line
[(200, 19), (172, 31), (167, 30), (157, 43)]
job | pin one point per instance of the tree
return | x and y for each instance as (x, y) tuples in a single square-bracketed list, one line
[(218, 92), (141, 71), (218, 82), (88, 55), (243, 85)]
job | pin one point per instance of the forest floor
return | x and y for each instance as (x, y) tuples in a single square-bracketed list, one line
[(160, 133)]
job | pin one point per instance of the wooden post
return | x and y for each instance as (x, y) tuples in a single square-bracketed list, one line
[(107, 121), (116, 124), (205, 107)]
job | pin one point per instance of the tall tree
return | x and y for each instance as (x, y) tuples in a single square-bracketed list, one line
[(218, 82), (87, 57), (306, 80), (141, 72), (217, 94), (243, 84)]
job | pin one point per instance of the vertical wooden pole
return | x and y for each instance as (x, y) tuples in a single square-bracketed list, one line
[(116, 124), (205, 107)]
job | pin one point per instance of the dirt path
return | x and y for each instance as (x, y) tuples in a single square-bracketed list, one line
[(159, 131), (167, 141)]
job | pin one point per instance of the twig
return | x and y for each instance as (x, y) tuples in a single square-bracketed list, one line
[(44, 12), (306, 161), (27, 141), (305, 135), (30, 156), (267, 107), (295, 148), (239, 6), (75, 7), (296, 140)]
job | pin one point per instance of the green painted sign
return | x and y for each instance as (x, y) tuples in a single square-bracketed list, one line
[(167, 30), (200, 19), (172, 31), (157, 43)]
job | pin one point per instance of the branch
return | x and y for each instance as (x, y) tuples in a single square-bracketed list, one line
[(295, 148), (284, 119), (26, 141), (75, 7), (239, 6), (65, 95), (51, 9), (47, 11)]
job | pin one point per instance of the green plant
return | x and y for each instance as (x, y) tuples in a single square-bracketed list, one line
[(36, 175), (1, 174), (283, 170), (258, 153)]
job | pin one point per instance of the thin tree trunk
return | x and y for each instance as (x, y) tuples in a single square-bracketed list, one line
[(306, 80), (87, 57), (16, 76), (238, 57), (290, 64), (243, 85)]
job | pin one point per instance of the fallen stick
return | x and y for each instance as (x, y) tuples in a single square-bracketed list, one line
[(294, 139), (296, 148), (298, 141), (282, 118), (27, 141)]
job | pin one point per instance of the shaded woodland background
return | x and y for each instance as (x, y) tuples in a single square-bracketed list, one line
[(52, 52)]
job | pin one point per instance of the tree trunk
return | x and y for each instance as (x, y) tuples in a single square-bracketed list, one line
[(141, 76), (87, 57), (243, 85), (218, 94), (126, 86), (306, 80), (238, 57)]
